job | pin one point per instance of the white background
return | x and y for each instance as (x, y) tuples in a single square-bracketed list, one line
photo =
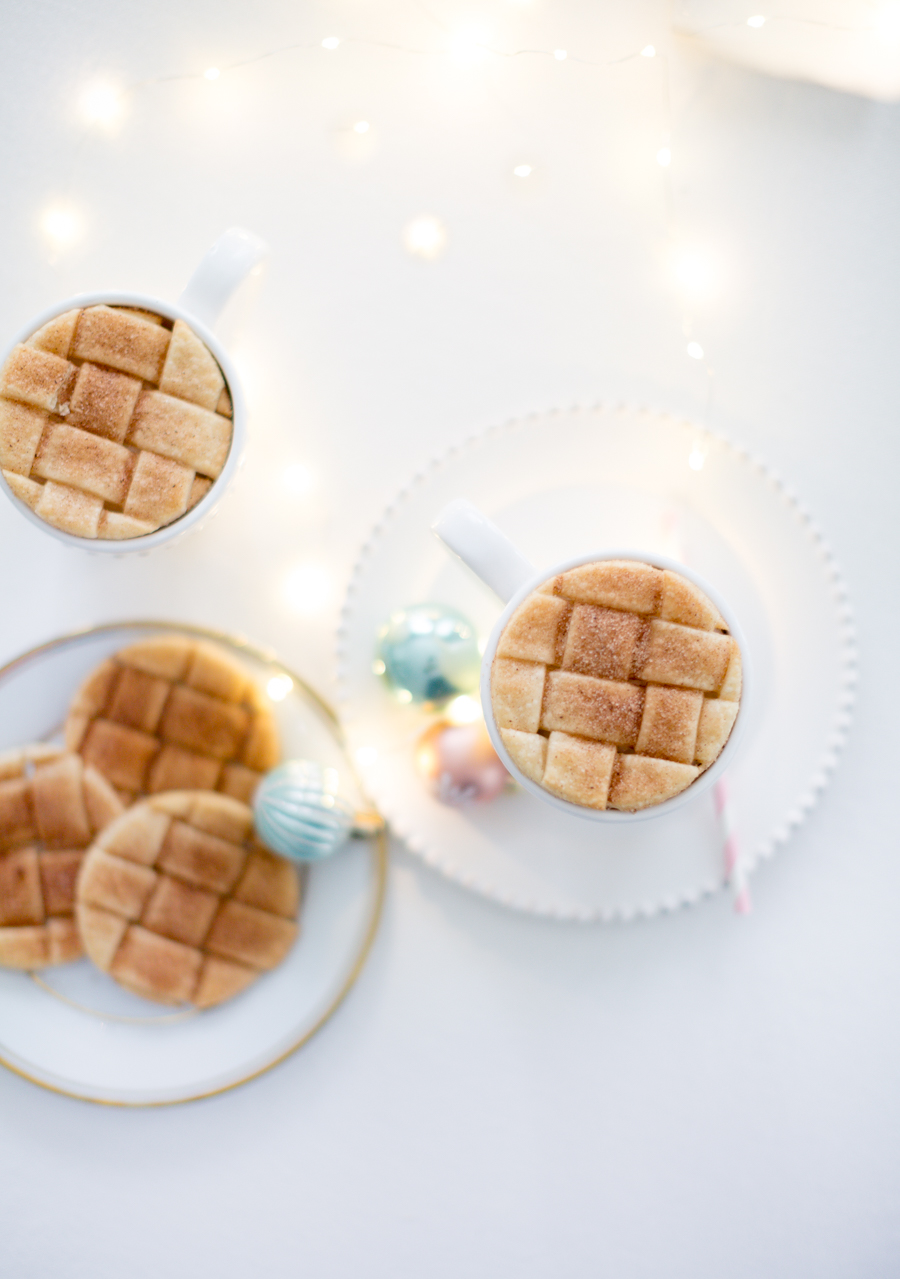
[(698, 1096)]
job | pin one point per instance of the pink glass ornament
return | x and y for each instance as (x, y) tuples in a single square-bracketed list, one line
[(460, 764)]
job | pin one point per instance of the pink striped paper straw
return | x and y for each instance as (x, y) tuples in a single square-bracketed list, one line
[(735, 874), (734, 865)]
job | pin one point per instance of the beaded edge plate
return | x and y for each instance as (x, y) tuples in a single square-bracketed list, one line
[(72, 1030), (569, 482)]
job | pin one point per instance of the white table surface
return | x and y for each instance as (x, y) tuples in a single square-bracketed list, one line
[(700, 1096)]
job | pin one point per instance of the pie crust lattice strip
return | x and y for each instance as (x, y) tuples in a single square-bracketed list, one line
[(615, 685), (113, 422), (179, 903), (173, 713), (51, 808)]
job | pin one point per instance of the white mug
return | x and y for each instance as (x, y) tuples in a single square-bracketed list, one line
[(224, 266), (470, 535)]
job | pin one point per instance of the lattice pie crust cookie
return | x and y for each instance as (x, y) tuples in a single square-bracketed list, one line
[(173, 714), (51, 808), (615, 685), (113, 422), (179, 903)]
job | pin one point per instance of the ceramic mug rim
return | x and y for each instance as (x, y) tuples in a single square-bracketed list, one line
[(171, 311), (706, 779)]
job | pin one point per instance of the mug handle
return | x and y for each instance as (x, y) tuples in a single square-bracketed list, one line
[(477, 541), (222, 268)]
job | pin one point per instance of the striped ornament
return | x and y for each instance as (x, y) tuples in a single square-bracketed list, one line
[(299, 813)]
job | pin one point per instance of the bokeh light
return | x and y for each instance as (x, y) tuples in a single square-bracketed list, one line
[(695, 271), (102, 104), (425, 237), (298, 479), (308, 589), (279, 686), (62, 225)]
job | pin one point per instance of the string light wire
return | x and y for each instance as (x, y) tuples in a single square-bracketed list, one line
[(647, 52), (330, 43), (557, 55)]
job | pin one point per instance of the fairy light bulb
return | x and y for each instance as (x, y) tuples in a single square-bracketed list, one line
[(648, 51), (695, 350), (308, 588), (522, 170), (664, 157), (298, 479), (211, 73), (61, 225), (330, 43), (694, 272), (361, 126), (463, 710), (425, 238), (756, 21), (560, 55), (278, 687), (101, 104)]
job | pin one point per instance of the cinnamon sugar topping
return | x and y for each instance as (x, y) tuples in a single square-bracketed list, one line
[(113, 422), (616, 684)]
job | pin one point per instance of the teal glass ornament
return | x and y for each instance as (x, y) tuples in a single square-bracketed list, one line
[(428, 653), (299, 813)]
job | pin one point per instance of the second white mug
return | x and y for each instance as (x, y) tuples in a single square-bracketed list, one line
[(222, 269), (476, 540)]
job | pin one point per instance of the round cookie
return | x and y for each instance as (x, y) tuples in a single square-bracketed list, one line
[(173, 713), (178, 902), (51, 807)]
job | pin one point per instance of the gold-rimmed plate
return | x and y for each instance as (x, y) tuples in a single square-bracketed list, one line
[(73, 1030)]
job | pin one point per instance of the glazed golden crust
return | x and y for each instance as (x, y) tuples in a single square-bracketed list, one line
[(51, 807), (173, 714), (180, 904), (610, 664), (113, 422)]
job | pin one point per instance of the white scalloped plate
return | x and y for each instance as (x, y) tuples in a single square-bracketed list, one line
[(578, 480), (74, 1030)]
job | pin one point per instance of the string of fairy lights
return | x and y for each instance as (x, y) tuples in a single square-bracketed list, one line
[(103, 104)]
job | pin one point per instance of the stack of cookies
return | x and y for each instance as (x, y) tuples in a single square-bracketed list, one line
[(134, 843)]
